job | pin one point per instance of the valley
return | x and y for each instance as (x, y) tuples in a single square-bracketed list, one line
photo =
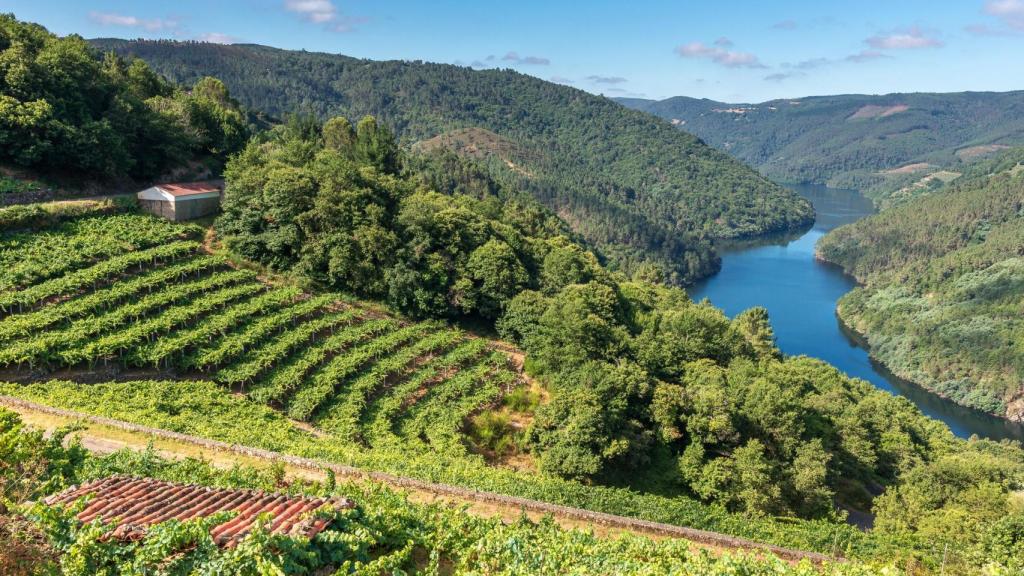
[(800, 293), (287, 311), (892, 147)]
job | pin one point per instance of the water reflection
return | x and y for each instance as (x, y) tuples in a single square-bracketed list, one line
[(800, 294)]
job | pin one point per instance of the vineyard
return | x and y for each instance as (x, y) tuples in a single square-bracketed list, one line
[(191, 343), (134, 292), (190, 517)]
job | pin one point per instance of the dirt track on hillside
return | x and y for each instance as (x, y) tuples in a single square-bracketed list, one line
[(173, 444)]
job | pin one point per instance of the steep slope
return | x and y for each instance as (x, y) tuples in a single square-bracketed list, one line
[(943, 303), (636, 188), (881, 144), (67, 113)]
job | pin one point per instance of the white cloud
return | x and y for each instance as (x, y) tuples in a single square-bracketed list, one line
[(560, 80), (323, 12), (801, 69), (515, 58), (908, 39), (812, 63), (607, 79), (719, 55), (217, 38), (318, 11), (1011, 12), (865, 56), (151, 24), (622, 92), (785, 25)]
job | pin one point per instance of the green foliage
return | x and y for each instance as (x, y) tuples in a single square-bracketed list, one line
[(386, 533), (522, 400), (590, 421), (204, 409), (111, 298), (10, 185), (64, 109), (39, 216), (574, 152), (32, 465), (493, 431), (347, 217), (944, 285), (640, 376)]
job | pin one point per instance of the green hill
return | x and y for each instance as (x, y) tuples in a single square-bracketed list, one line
[(67, 111), (944, 286), (885, 145), (634, 187)]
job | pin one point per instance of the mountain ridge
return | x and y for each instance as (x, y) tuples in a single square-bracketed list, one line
[(662, 207), (853, 140)]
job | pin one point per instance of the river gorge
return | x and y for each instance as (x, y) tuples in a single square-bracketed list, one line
[(800, 294)]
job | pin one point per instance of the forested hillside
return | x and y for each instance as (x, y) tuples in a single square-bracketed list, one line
[(66, 110), (944, 293), (892, 147), (644, 403), (637, 189)]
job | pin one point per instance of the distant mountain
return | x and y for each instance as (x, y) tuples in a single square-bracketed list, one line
[(906, 143), (637, 189)]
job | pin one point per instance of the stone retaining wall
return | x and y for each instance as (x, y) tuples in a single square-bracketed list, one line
[(579, 514)]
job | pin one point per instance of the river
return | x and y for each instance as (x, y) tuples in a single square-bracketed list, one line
[(800, 294)]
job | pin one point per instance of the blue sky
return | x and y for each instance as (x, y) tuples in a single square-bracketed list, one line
[(740, 51)]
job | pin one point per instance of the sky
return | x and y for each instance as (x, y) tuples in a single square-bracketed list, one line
[(739, 51)]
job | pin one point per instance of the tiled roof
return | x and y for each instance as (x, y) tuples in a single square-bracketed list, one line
[(189, 188), (134, 504)]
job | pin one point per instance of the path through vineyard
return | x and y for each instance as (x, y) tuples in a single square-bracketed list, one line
[(102, 435)]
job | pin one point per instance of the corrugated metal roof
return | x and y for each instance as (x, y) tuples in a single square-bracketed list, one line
[(135, 504), (190, 188)]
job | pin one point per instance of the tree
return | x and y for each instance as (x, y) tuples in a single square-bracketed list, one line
[(591, 421), (753, 324), (520, 321), (497, 276), (339, 135), (753, 487), (810, 479), (673, 337), (565, 264), (579, 324), (376, 146)]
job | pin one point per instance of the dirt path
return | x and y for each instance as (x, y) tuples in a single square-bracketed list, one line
[(105, 435)]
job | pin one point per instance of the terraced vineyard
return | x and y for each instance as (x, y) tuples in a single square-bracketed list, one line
[(137, 292)]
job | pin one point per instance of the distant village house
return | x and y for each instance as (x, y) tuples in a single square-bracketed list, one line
[(184, 201)]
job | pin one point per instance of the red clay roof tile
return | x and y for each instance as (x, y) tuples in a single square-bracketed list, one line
[(134, 504)]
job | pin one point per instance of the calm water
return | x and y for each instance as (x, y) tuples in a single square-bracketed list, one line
[(800, 294)]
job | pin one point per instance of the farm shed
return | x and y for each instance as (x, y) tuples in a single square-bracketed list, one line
[(184, 201), (132, 505)]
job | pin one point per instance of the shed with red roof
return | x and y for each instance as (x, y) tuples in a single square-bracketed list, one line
[(182, 201)]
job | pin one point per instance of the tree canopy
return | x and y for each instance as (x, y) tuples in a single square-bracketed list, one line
[(434, 238), (646, 195), (65, 109)]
